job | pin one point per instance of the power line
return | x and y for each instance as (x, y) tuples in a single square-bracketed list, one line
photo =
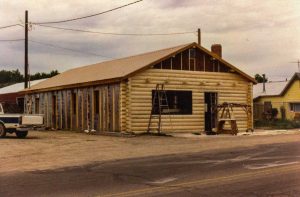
[(13, 40), (88, 16), (74, 50), (8, 26), (117, 34)]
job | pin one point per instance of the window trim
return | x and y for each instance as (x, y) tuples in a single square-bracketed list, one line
[(292, 107), (190, 105)]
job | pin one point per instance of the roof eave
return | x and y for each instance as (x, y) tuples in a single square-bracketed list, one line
[(295, 76), (72, 86)]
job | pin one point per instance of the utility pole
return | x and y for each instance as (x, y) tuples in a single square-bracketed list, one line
[(199, 36), (26, 51)]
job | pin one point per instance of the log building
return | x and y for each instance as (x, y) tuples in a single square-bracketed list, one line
[(117, 95)]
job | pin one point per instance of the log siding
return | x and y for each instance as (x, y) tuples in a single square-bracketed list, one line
[(229, 86)]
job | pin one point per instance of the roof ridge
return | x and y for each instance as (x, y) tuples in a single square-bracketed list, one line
[(155, 51), (131, 56)]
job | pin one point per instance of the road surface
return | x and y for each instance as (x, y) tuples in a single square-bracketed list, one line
[(264, 170)]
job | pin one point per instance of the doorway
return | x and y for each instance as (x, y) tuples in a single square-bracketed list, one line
[(211, 101)]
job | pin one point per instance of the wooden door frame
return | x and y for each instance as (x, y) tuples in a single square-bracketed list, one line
[(216, 114)]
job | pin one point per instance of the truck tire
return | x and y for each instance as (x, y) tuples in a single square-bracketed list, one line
[(2, 131), (21, 134)]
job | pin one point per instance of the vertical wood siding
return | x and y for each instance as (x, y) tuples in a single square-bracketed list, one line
[(83, 117)]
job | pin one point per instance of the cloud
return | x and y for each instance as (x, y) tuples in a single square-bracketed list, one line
[(258, 36)]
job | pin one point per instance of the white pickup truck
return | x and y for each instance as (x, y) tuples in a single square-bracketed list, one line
[(12, 122)]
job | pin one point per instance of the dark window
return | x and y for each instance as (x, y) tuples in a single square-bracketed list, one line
[(179, 102), (199, 62), (208, 63), (267, 106), (176, 62), (157, 66), (295, 107), (166, 64), (192, 53), (192, 59), (96, 102), (20, 102), (74, 103), (11, 108), (223, 68)]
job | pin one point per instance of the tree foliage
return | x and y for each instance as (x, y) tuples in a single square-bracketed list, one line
[(8, 77), (259, 78)]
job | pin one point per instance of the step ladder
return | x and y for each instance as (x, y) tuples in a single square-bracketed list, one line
[(160, 106)]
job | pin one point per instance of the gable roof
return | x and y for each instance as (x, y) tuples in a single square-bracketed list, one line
[(17, 87), (295, 76), (116, 70), (273, 88)]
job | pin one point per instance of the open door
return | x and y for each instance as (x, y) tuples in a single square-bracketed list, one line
[(211, 100)]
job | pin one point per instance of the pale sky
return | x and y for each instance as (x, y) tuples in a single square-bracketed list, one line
[(257, 36)]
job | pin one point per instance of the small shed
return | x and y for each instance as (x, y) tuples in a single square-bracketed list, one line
[(117, 95)]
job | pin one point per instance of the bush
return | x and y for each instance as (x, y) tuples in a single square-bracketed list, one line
[(274, 113)]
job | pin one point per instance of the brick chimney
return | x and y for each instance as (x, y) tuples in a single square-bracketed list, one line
[(217, 49)]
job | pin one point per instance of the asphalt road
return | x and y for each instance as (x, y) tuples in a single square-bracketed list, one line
[(267, 170)]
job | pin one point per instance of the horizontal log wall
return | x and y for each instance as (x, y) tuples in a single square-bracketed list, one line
[(138, 94), (60, 111)]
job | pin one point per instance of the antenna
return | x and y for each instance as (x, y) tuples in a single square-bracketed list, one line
[(298, 62)]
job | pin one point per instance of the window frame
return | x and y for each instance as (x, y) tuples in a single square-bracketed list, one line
[(292, 107), (184, 109)]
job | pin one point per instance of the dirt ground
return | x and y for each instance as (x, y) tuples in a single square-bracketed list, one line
[(43, 150)]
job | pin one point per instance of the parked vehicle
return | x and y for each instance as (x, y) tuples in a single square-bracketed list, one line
[(11, 121)]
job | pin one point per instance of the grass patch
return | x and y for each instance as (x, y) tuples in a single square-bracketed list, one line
[(277, 124)]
